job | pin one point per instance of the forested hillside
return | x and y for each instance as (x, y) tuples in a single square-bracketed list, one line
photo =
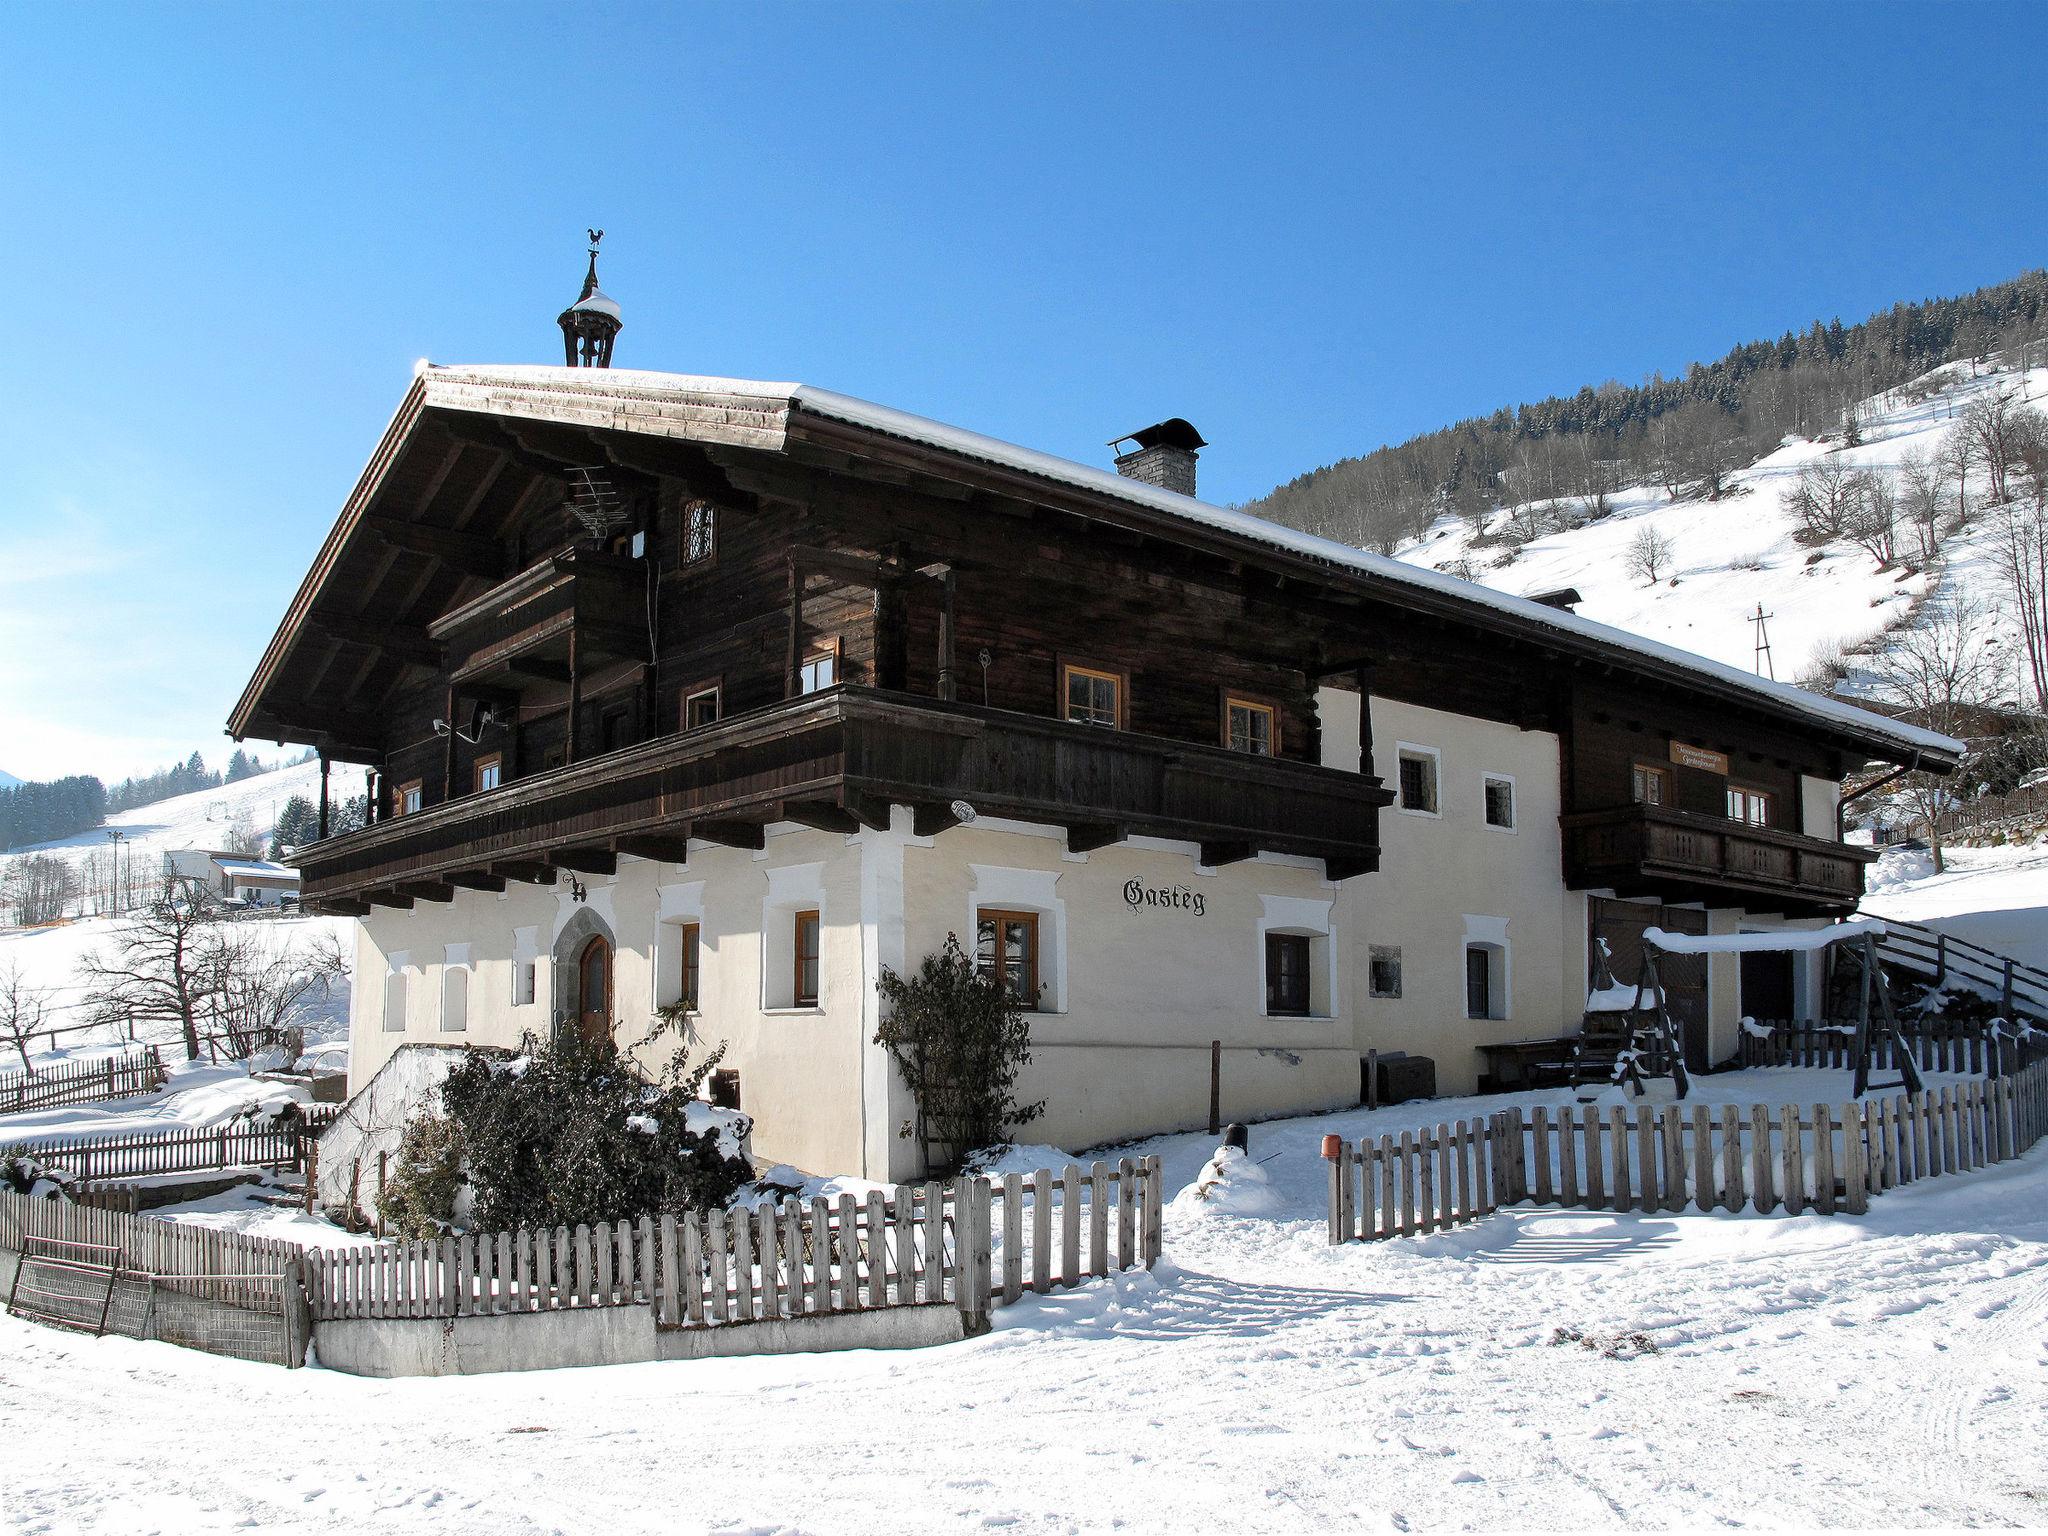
[(1692, 431)]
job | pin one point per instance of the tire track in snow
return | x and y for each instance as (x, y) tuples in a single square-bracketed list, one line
[(1977, 1359)]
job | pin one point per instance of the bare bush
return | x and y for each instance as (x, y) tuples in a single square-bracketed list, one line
[(24, 1010), (38, 888), (1648, 555)]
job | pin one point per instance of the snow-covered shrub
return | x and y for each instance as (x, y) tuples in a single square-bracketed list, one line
[(959, 1038), (569, 1132), (418, 1200), (21, 1173)]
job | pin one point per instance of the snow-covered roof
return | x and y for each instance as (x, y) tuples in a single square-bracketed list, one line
[(579, 388), (259, 869)]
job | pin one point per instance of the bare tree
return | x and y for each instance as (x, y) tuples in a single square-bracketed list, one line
[(1923, 496), (1939, 670), (1873, 520), (1649, 553), (38, 887), (258, 990), (24, 1010), (160, 969), (1993, 427), (1824, 498)]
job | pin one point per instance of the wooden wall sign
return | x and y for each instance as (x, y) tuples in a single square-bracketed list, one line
[(1699, 757)]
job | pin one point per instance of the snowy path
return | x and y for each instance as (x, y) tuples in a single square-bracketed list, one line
[(1807, 1373)]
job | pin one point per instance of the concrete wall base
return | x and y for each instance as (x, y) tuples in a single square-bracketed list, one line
[(538, 1341)]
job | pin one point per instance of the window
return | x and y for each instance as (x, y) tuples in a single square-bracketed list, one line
[(1651, 785), (394, 1001), (1383, 979), (1249, 726), (700, 532), (687, 954), (804, 933), (614, 728), (454, 999), (1006, 948), (701, 705), (1752, 806), (1287, 983), (820, 671), (490, 772), (1500, 802), (1091, 697), (405, 800), (1418, 780), (523, 983), (1478, 982)]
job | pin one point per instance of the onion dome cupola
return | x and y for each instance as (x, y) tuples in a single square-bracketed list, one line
[(590, 324)]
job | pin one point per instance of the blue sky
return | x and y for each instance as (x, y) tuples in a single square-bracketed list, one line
[(231, 230)]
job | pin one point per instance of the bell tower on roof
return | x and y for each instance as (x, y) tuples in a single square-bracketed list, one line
[(590, 324)]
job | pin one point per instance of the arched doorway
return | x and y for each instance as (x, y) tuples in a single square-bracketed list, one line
[(594, 988)]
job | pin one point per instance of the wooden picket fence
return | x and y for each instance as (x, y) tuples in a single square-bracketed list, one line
[(922, 1244), (192, 1151), (1671, 1157), (82, 1082), (102, 1270), (1937, 1045)]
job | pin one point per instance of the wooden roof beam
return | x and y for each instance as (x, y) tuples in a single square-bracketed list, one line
[(658, 847), (475, 880), (531, 871), (402, 642), (585, 861), (471, 553)]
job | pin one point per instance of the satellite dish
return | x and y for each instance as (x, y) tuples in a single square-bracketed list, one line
[(963, 812)]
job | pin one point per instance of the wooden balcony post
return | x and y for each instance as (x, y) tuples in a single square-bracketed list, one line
[(575, 700), (448, 755), (793, 680), (1366, 676), (946, 589), (323, 793)]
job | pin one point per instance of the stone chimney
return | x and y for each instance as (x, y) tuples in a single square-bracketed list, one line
[(1162, 455)]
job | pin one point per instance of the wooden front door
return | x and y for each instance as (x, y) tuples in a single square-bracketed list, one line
[(594, 990)]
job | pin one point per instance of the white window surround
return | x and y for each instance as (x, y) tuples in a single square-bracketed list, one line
[(1436, 771), (1491, 935), (792, 888), (397, 991), (676, 905), (525, 966), (1307, 915), (455, 980), (1025, 890), (1514, 821)]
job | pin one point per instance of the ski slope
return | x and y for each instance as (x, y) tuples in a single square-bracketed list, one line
[(1733, 554), (202, 819)]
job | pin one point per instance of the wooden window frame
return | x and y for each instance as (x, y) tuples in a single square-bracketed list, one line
[(476, 773), (1486, 783), (1378, 955), (999, 916), (690, 966), (798, 998), (1752, 795), (414, 787), (1071, 666), (685, 561), (827, 648), (1274, 942), (715, 688), (1249, 701), (1485, 958), (1656, 771)]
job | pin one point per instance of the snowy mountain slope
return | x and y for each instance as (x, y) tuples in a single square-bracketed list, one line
[(7, 780), (1732, 554), (201, 819)]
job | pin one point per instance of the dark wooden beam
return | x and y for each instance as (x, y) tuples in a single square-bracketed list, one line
[(1344, 869), (868, 810), (1089, 836), (538, 667), (660, 847), (819, 814), (476, 880), (523, 869), (731, 834), (1216, 855), (388, 898), (470, 553), (586, 861), (340, 906), (929, 819), (427, 890), (402, 642)]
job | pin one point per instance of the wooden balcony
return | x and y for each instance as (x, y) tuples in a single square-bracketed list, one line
[(837, 760), (1650, 850), (531, 625)]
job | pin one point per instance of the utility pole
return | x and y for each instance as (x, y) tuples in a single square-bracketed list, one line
[(1765, 667), (114, 841)]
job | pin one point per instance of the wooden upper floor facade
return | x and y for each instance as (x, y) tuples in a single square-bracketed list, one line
[(570, 614)]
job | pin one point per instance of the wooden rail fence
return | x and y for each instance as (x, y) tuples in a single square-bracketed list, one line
[(972, 1242), (1793, 1158), (188, 1151), (1937, 1045), (82, 1082)]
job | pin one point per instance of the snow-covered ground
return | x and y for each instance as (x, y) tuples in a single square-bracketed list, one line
[(1730, 555), (1879, 1371), (1996, 897)]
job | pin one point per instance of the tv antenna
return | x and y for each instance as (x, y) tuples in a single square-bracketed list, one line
[(1764, 666)]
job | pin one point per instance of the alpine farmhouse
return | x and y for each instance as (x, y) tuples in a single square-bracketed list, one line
[(729, 695)]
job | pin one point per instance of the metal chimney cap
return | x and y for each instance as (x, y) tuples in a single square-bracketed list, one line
[(1174, 432)]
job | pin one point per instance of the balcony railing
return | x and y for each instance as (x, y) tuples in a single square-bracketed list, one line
[(1654, 850), (530, 617), (838, 760)]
